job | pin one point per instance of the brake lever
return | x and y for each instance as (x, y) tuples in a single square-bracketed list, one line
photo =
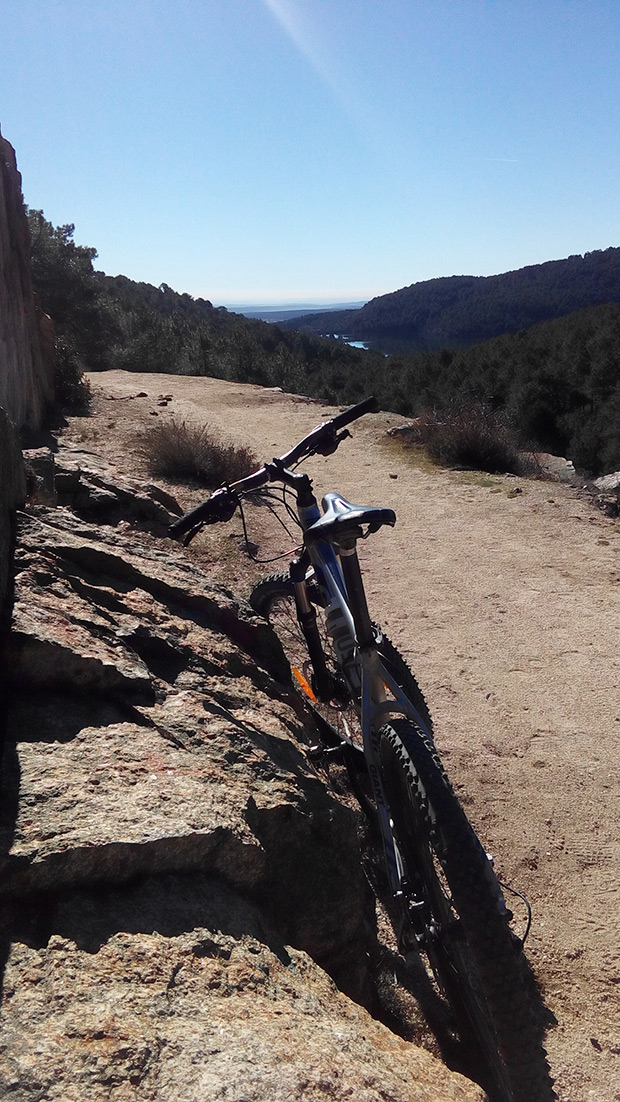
[(189, 536), (328, 447)]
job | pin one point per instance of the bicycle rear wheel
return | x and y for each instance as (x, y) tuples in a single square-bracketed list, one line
[(461, 921), (274, 599)]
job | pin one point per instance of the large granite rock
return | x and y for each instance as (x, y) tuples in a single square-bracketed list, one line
[(26, 344), (145, 737), (176, 987)]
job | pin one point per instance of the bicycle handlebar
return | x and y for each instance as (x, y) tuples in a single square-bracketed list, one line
[(223, 502)]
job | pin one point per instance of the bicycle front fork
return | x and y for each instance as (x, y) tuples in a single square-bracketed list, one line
[(326, 686), (306, 614)]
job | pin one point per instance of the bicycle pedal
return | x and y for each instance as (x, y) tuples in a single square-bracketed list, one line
[(315, 753), (331, 750)]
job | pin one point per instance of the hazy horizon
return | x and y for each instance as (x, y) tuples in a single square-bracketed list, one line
[(294, 304)]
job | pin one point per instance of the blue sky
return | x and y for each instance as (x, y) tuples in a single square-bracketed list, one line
[(309, 150)]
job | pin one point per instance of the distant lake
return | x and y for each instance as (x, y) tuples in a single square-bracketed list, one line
[(357, 344), (389, 346), (353, 344)]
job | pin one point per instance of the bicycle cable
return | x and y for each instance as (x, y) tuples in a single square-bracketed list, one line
[(275, 558), (280, 498), (264, 495)]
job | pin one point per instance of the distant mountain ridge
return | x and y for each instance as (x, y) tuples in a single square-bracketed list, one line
[(456, 311)]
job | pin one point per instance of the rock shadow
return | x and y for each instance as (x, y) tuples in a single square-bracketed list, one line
[(10, 777), (171, 905), (37, 715)]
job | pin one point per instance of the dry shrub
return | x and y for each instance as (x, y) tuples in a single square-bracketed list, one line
[(471, 436), (195, 453)]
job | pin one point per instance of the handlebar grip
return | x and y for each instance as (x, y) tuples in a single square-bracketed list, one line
[(188, 521), (345, 418), (219, 507)]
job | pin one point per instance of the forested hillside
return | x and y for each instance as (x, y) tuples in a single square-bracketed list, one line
[(462, 310), (558, 383), (113, 322)]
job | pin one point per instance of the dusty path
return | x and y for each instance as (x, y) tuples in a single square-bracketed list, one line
[(507, 607)]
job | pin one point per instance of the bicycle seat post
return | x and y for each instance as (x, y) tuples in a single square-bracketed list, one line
[(347, 549)]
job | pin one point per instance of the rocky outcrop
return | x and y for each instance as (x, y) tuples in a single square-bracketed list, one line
[(26, 365), (178, 988), (26, 368), (94, 489), (145, 733), (12, 494), (184, 912)]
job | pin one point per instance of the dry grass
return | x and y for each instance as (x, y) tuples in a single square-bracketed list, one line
[(194, 453), (472, 436)]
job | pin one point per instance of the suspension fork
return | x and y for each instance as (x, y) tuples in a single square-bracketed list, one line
[(372, 686), (306, 615)]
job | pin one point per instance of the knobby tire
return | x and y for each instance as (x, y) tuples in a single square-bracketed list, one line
[(479, 965)]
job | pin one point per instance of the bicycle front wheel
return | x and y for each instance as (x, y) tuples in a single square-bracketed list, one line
[(460, 920), (274, 599)]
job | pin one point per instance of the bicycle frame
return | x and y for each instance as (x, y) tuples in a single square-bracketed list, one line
[(338, 574)]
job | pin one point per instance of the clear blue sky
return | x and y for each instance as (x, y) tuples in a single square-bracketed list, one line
[(307, 150)]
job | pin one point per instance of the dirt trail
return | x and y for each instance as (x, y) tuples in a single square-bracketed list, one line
[(506, 605)]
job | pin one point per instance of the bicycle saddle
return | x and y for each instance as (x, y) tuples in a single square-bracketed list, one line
[(340, 516)]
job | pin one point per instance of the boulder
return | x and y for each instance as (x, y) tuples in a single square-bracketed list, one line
[(177, 987), (608, 483), (554, 467)]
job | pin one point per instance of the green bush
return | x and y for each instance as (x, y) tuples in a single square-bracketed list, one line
[(471, 436), (195, 453), (72, 393)]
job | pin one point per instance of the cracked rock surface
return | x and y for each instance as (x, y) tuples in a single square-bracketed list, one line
[(177, 988)]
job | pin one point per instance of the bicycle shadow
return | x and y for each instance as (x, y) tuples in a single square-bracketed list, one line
[(412, 1006)]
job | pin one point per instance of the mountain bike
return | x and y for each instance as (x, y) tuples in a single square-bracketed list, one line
[(445, 898)]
